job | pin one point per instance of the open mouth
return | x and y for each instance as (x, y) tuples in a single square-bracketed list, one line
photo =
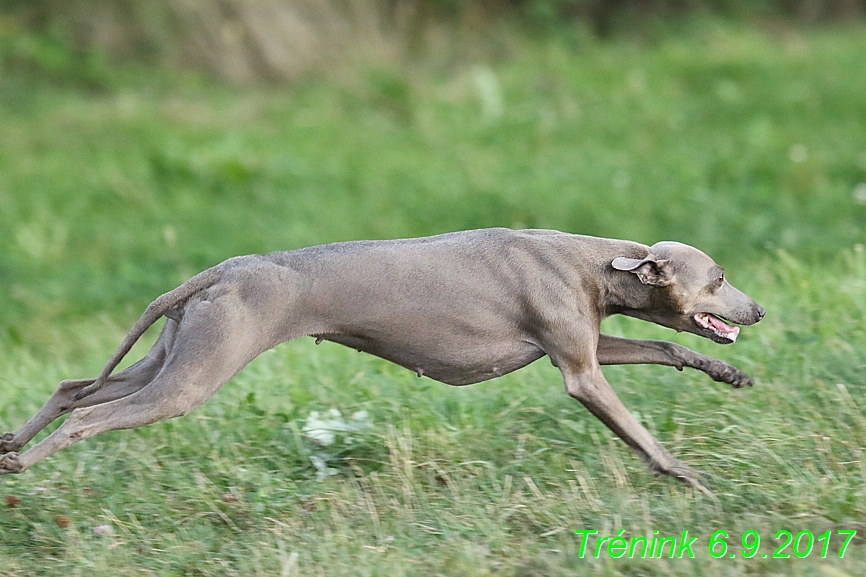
[(717, 326)]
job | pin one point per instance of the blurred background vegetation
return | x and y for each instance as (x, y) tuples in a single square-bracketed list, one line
[(285, 40), (141, 142)]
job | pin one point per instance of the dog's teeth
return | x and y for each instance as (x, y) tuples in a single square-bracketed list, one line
[(731, 336)]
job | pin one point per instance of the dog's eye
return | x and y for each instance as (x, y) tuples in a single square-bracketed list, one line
[(721, 278)]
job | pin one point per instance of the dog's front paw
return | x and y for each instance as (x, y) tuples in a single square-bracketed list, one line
[(690, 476), (681, 472), (10, 463), (724, 373)]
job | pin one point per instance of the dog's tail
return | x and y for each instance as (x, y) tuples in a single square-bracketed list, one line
[(159, 307)]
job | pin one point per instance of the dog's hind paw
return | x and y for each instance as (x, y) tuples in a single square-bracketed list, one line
[(10, 463), (6, 443)]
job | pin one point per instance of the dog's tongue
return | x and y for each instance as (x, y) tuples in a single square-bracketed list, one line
[(718, 326), (721, 326)]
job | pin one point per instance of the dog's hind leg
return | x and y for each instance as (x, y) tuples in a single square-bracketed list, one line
[(619, 351), (119, 385), (214, 341)]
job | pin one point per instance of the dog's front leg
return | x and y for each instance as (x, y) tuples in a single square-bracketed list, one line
[(589, 386), (619, 351)]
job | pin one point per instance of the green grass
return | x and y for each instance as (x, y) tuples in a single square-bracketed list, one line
[(747, 143)]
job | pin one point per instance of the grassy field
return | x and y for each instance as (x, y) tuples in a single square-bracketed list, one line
[(749, 143)]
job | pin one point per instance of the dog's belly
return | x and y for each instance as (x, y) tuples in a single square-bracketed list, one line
[(454, 363)]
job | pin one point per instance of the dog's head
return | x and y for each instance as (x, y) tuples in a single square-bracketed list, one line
[(690, 293)]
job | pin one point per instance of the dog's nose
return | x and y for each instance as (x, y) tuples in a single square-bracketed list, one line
[(760, 311)]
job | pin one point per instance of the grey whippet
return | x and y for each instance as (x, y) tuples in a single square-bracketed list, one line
[(459, 308)]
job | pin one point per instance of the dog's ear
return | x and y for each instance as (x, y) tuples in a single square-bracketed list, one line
[(650, 270)]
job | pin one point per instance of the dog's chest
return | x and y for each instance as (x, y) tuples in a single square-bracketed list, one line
[(455, 362)]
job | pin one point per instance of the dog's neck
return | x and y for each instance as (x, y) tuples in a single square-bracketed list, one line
[(625, 292)]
